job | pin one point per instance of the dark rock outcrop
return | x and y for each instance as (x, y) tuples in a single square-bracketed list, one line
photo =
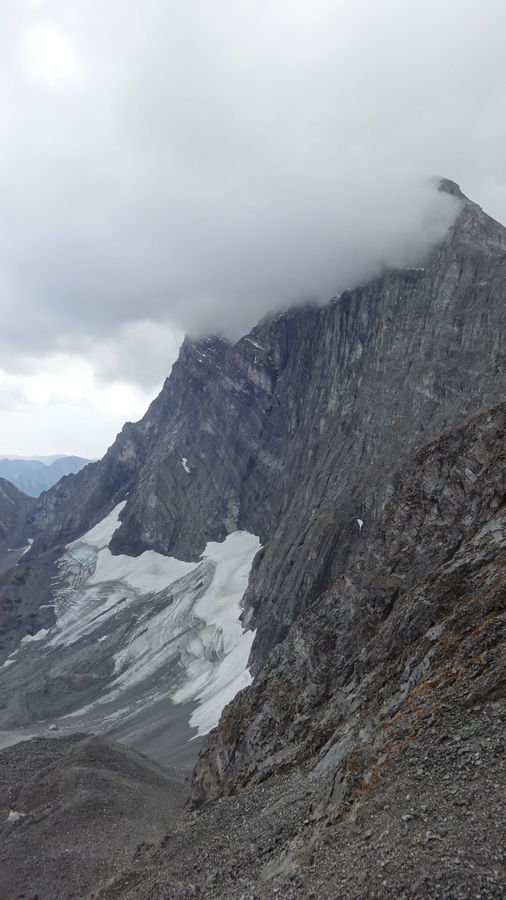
[(14, 509), (25, 595)]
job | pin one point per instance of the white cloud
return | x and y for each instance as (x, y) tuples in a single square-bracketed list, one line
[(190, 166), (49, 56), (59, 407), (141, 353)]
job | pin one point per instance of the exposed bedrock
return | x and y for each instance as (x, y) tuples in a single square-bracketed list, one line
[(415, 624)]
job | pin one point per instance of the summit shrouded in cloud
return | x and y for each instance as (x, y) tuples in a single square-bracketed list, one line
[(189, 167)]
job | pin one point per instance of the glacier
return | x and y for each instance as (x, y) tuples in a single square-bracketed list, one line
[(134, 633)]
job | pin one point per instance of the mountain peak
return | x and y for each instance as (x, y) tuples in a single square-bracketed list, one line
[(447, 186), (473, 228)]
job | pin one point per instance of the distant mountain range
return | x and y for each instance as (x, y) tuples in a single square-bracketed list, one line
[(36, 474)]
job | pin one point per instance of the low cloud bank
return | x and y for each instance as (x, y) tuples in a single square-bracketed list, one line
[(179, 167)]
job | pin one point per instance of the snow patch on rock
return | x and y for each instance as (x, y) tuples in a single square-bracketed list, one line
[(39, 636), (100, 535), (26, 549)]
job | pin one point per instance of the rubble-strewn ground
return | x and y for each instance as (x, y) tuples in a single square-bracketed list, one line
[(72, 812), (432, 826)]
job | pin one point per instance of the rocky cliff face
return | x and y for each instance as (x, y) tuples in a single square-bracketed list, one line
[(14, 509), (415, 623)]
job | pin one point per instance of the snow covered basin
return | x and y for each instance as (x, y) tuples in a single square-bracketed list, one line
[(156, 615)]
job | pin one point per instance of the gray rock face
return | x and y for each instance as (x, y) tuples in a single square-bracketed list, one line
[(14, 509), (25, 595), (416, 623)]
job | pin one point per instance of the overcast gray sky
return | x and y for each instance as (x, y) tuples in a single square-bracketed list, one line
[(169, 167)]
